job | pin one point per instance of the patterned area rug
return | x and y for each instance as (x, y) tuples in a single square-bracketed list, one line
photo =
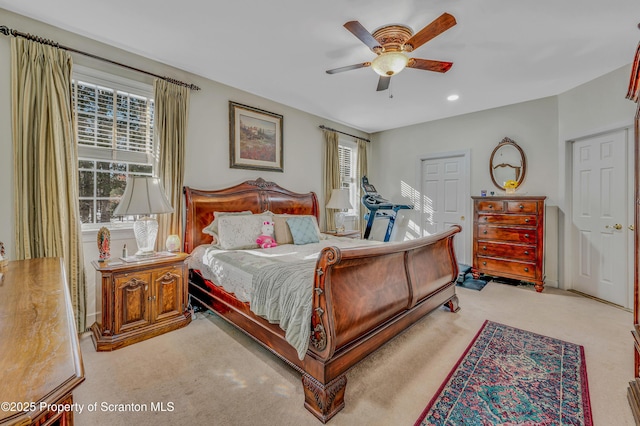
[(511, 376)]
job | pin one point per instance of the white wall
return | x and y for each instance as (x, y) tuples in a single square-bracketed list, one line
[(207, 149)]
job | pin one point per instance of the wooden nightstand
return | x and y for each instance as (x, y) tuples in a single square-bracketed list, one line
[(140, 300), (349, 233)]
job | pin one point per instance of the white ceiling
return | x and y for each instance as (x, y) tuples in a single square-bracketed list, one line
[(504, 51)]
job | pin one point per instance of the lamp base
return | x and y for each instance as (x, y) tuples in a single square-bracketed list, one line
[(145, 230), (339, 219)]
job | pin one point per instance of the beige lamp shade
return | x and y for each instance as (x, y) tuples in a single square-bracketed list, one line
[(143, 195), (339, 200)]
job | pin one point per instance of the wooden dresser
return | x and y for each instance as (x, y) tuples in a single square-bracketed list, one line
[(508, 238), (40, 356)]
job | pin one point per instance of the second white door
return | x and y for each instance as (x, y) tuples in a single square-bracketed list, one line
[(445, 200), (601, 230)]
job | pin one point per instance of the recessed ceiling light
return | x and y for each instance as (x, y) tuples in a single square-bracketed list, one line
[(452, 97)]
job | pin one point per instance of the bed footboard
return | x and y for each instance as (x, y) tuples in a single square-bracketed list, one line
[(363, 297)]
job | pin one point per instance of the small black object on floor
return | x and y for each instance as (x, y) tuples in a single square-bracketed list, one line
[(466, 280)]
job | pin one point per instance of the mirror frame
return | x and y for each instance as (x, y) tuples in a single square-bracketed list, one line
[(508, 142)]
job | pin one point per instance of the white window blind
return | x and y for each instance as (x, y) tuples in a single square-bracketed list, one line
[(347, 157), (114, 122)]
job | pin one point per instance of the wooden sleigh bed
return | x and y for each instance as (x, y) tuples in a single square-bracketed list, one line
[(362, 297)]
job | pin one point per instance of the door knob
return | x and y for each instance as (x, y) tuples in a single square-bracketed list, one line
[(632, 228), (616, 226)]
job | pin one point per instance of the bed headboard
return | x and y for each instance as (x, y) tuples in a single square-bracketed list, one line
[(255, 195)]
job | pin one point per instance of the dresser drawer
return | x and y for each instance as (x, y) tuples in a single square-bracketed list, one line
[(506, 251), (488, 232), (497, 267), (522, 207), (508, 219), (489, 206)]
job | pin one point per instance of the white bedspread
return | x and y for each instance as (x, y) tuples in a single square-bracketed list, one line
[(277, 282)]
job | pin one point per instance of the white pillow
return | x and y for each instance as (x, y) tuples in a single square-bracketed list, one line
[(240, 231), (212, 228)]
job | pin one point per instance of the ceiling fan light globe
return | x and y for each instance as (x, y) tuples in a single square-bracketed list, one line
[(389, 63)]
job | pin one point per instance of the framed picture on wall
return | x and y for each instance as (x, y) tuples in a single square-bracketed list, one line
[(255, 138)]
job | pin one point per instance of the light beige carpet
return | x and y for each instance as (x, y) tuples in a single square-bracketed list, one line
[(208, 373)]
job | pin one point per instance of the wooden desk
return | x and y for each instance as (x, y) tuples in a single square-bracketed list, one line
[(40, 356)]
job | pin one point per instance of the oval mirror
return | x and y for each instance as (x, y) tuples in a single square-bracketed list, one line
[(507, 163)]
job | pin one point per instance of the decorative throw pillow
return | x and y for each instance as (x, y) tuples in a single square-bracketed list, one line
[(303, 230), (212, 228), (282, 233), (240, 231)]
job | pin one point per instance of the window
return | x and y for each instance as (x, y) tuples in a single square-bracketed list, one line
[(348, 155), (115, 140)]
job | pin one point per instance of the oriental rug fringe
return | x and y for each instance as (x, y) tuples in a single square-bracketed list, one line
[(511, 376)]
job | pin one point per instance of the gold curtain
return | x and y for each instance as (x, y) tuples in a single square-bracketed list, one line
[(331, 174), (172, 114), (46, 162), (362, 169)]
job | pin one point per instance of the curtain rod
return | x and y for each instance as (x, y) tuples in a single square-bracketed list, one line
[(8, 31), (323, 127)]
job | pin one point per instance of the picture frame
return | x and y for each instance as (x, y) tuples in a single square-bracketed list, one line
[(255, 139)]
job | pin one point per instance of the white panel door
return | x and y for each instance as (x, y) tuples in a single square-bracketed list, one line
[(445, 199), (600, 217)]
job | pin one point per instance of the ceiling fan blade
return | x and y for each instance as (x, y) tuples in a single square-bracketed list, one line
[(349, 68), (361, 32), (429, 65), (438, 26), (383, 83)]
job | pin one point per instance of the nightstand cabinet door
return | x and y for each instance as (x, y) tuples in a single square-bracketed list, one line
[(167, 293), (132, 301)]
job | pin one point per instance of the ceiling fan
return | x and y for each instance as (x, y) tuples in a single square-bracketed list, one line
[(391, 41)]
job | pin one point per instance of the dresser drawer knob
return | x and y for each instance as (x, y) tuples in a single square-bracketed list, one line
[(490, 206), (526, 220), (526, 269), (526, 235), (485, 231), (484, 263), (521, 207), (484, 247), (526, 252), (486, 218)]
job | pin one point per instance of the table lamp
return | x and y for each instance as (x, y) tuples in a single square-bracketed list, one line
[(339, 201), (144, 195)]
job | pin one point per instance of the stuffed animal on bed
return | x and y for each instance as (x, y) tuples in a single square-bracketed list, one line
[(266, 240)]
